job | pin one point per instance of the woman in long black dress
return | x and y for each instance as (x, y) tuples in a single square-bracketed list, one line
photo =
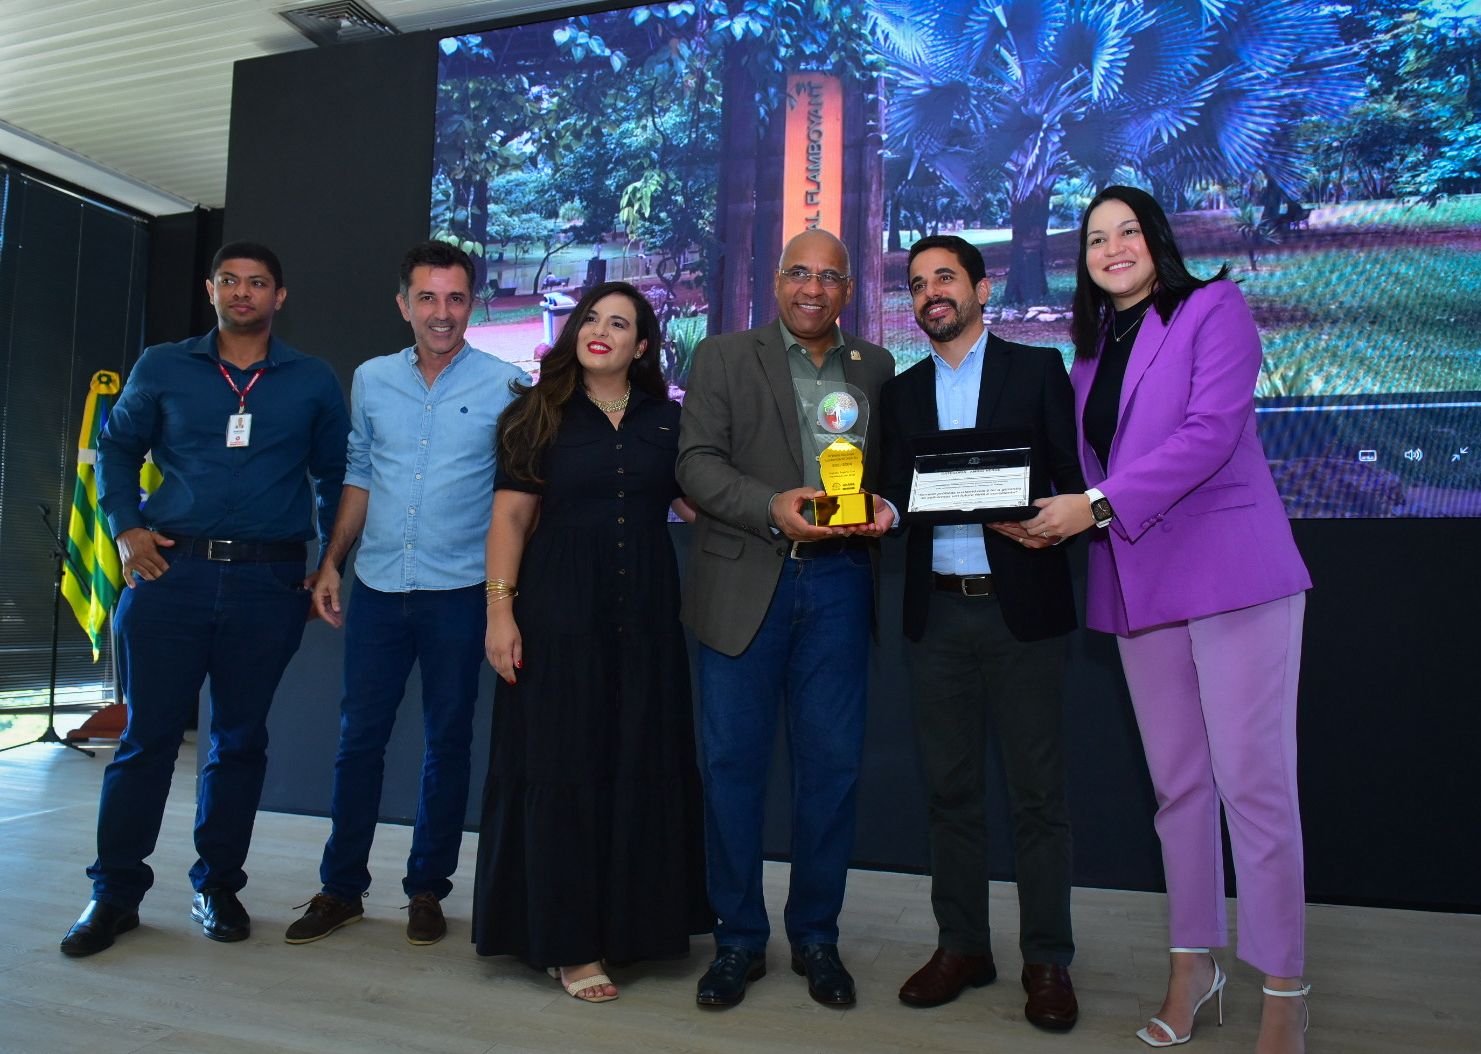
[(591, 844)]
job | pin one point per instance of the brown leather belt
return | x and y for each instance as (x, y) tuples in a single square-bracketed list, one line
[(964, 585)]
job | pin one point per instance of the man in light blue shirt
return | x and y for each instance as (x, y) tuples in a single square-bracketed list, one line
[(957, 548), (418, 495)]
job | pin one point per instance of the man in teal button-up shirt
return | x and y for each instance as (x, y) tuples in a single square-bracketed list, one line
[(418, 495)]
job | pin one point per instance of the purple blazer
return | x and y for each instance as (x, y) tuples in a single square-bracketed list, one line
[(1199, 527)]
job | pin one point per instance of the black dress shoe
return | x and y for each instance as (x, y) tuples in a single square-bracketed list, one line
[(827, 981), (221, 915), (95, 929), (724, 983)]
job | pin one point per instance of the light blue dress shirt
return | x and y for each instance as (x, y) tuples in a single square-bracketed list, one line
[(426, 455), (957, 549)]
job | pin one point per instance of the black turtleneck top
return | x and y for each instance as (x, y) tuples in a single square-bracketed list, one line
[(1104, 401)]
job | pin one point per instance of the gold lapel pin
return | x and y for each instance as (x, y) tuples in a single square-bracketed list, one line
[(854, 355)]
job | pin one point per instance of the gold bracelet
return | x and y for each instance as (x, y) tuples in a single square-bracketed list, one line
[(496, 589)]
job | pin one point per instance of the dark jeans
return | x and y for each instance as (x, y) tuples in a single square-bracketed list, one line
[(239, 624), (812, 651), (385, 633), (965, 669)]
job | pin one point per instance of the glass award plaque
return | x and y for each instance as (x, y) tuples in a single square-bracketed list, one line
[(838, 416)]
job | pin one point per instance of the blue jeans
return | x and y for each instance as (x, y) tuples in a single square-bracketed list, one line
[(385, 633), (811, 652), (239, 624)]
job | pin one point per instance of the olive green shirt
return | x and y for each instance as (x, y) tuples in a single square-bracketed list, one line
[(799, 362)]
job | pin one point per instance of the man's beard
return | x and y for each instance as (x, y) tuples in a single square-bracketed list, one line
[(948, 328)]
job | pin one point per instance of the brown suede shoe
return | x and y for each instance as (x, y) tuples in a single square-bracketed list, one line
[(424, 921), (942, 979), (325, 914), (1051, 997)]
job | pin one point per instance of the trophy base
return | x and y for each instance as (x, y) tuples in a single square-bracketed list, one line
[(840, 510)]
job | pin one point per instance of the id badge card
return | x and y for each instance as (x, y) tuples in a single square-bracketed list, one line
[(238, 429)]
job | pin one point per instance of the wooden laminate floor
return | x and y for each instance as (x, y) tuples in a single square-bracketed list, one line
[(1384, 981)]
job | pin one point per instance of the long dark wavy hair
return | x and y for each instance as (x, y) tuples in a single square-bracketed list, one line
[(1172, 285), (529, 424)]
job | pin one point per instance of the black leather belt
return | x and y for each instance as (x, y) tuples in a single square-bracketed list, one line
[(826, 547), (965, 585), (228, 551)]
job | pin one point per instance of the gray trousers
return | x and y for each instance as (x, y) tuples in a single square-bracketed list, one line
[(966, 669)]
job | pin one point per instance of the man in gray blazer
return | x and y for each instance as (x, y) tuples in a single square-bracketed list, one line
[(783, 611)]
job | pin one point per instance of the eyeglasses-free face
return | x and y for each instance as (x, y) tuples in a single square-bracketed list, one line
[(1116, 254)]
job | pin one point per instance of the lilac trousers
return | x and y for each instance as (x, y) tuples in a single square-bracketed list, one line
[(1215, 701)]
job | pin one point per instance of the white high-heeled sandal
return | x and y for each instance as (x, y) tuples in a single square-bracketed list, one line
[(1294, 993), (1215, 989)]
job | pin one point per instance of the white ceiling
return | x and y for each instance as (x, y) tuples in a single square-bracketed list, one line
[(132, 98)]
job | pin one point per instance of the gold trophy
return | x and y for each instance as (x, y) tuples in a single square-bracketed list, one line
[(839, 415)]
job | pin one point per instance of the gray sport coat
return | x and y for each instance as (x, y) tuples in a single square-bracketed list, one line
[(739, 444)]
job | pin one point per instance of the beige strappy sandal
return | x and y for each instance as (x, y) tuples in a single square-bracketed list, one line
[(583, 984)]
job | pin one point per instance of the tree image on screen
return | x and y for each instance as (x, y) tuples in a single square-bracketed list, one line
[(1329, 153)]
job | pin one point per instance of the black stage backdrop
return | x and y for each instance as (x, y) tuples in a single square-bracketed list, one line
[(330, 164)]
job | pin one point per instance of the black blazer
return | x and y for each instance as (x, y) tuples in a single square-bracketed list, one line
[(1022, 387)]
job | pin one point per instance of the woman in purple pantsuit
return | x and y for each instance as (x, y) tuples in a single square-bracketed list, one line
[(1193, 567)]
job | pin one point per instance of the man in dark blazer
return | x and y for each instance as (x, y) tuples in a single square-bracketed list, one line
[(986, 619), (783, 611)]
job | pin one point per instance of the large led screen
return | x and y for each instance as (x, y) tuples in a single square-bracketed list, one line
[(1329, 153)]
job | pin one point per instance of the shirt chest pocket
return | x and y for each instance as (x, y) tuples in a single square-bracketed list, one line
[(463, 426)]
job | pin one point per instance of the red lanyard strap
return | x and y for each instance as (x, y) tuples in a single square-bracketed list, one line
[(241, 392)]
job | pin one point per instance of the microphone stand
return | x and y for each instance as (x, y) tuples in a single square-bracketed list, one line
[(62, 558)]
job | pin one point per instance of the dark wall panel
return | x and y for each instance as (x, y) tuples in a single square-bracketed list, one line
[(331, 166), (180, 250), (1391, 711)]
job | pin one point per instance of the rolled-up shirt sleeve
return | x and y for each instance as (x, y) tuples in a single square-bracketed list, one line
[(357, 451)]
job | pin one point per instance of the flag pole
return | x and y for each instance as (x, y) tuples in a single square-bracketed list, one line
[(59, 554)]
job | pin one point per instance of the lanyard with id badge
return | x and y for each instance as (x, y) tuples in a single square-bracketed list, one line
[(239, 424)]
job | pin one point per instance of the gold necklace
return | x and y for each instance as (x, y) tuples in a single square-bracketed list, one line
[(1122, 336), (610, 406)]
